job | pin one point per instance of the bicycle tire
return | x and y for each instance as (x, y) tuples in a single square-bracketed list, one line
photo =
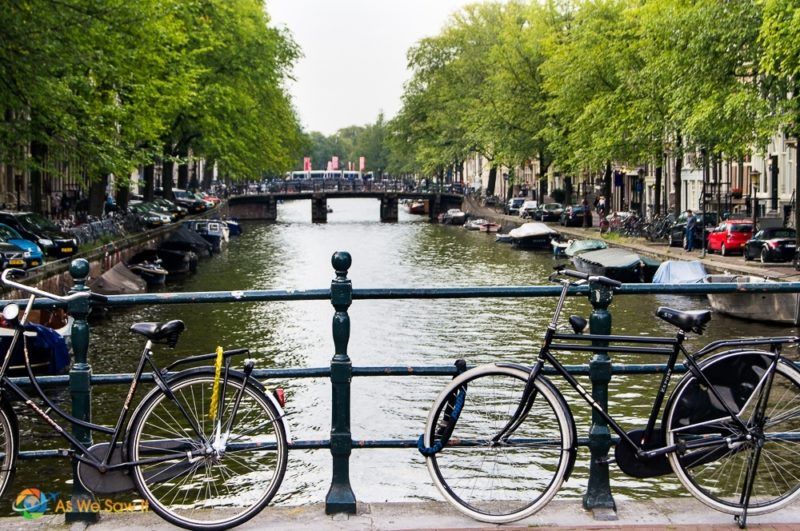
[(486, 482), (715, 474), (215, 491), (9, 445)]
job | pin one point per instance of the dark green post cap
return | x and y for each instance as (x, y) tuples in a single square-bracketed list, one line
[(79, 269), (341, 261)]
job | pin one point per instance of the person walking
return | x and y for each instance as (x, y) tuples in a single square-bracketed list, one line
[(690, 223)]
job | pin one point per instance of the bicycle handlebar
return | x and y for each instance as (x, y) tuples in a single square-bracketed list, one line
[(9, 273), (610, 282)]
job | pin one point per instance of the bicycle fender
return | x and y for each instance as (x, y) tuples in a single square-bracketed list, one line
[(573, 449), (734, 368)]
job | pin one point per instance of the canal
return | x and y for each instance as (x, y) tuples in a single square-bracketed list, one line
[(295, 254)]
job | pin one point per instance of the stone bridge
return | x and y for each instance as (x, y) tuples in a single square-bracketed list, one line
[(264, 206)]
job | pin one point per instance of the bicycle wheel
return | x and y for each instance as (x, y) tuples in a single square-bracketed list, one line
[(715, 474), (506, 481), (207, 482), (9, 445)]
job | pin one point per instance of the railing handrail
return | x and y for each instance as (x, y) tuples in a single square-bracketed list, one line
[(320, 294)]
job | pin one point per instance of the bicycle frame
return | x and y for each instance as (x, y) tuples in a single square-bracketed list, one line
[(81, 452)]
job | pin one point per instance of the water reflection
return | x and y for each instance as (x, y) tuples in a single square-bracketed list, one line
[(295, 254)]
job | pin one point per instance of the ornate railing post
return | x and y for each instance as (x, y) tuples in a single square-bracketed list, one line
[(598, 491), (340, 498), (80, 387)]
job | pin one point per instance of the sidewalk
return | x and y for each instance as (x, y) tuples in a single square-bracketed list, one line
[(713, 262), (680, 514)]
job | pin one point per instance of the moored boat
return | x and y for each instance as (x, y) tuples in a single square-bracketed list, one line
[(489, 226), (680, 272), (581, 246), (454, 217), (533, 235), (619, 264), (502, 238), (215, 232), (779, 308), (416, 207), (475, 224), (560, 248), (119, 280)]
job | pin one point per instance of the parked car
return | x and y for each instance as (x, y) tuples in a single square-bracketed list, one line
[(185, 199), (148, 217), (491, 201), (528, 208), (40, 230), (776, 244), (678, 231), (32, 253), (730, 236), (11, 256), (572, 216), (168, 207), (513, 206), (549, 212)]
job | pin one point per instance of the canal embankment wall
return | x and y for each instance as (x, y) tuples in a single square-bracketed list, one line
[(659, 251)]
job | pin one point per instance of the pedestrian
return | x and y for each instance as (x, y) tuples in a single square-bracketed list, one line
[(586, 212), (690, 223)]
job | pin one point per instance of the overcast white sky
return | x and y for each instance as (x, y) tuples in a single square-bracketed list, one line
[(354, 62)]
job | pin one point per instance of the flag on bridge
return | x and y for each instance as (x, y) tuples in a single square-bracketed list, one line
[(362, 163), (306, 163)]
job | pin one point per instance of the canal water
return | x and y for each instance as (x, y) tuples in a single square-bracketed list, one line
[(295, 254)]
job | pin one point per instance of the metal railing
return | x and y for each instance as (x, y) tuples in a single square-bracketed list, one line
[(340, 497)]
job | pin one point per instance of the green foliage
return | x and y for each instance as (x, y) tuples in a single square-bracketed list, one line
[(350, 143), (558, 195), (105, 84)]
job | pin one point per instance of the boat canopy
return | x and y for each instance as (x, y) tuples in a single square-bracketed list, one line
[(580, 246), (679, 272), (611, 258)]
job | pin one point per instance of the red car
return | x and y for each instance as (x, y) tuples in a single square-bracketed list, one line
[(730, 236)]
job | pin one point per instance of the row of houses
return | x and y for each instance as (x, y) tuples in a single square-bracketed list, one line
[(730, 185)]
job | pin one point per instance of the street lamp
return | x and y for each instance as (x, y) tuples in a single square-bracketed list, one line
[(755, 176)]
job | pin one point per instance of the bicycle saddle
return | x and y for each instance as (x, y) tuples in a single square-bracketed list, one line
[(688, 321), (167, 332)]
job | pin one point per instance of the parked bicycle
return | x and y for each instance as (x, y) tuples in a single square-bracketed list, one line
[(206, 447), (500, 438)]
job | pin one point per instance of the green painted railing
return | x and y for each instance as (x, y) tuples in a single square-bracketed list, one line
[(340, 497)]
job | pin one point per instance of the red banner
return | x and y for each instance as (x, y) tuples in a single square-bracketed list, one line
[(306, 163), (362, 163), (335, 163)]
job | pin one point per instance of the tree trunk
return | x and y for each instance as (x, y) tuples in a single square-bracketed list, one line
[(39, 154), (657, 195), (97, 196), (149, 176), (492, 180), (167, 170), (797, 190), (208, 174), (676, 183), (607, 184), (183, 171), (123, 195)]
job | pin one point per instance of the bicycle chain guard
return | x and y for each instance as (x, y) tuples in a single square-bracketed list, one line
[(108, 482), (630, 464)]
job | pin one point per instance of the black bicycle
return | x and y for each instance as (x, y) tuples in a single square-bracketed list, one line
[(500, 438), (206, 447)]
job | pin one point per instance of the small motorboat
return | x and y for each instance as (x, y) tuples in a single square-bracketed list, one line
[(502, 238), (151, 272), (680, 272), (185, 239), (779, 308), (215, 232), (580, 246), (119, 280), (234, 227), (475, 224), (454, 216), (416, 207), (560, 248), (489, 226), (619, 264), (533, 235)]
